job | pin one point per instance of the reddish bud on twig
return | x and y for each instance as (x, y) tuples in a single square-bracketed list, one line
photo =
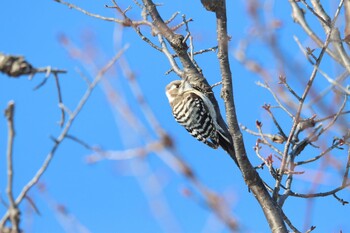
[(257, 146), (267, 107), (309, 51), (258, 124), (269, 160), (283, 79)]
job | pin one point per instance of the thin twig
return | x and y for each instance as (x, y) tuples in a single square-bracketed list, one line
[(212, 49), (135, 25), (266, 85), (267, 162), (32, 204), (267, 107), (148, 41), (81, 142), (13, 209), (335, 117), (172, 17), (72, 6), (61, 122), (322, 194), (188, 36), (216, 84), (47, 70), (324, 21), (4, 203), (335, 145), (340, 199), (331, 116), (283, 80), (181, 24), (173, 63)]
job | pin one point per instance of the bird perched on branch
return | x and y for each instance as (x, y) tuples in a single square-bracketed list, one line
[(194, 110)]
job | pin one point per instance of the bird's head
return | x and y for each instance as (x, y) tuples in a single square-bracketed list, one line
[(176, 88)]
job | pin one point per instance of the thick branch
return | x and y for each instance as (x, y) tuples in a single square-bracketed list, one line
[(251, 177)]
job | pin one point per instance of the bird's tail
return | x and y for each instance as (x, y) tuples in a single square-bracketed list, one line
[(227, 144)]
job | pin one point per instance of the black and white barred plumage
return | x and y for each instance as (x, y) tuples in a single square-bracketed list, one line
[(194, 111)]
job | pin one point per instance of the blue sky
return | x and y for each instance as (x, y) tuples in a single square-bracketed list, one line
[(108, 196)]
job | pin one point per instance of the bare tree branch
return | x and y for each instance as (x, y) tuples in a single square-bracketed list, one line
[(301, 103), (13, 207), (63, 134), (250, 175), (298, 16)]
